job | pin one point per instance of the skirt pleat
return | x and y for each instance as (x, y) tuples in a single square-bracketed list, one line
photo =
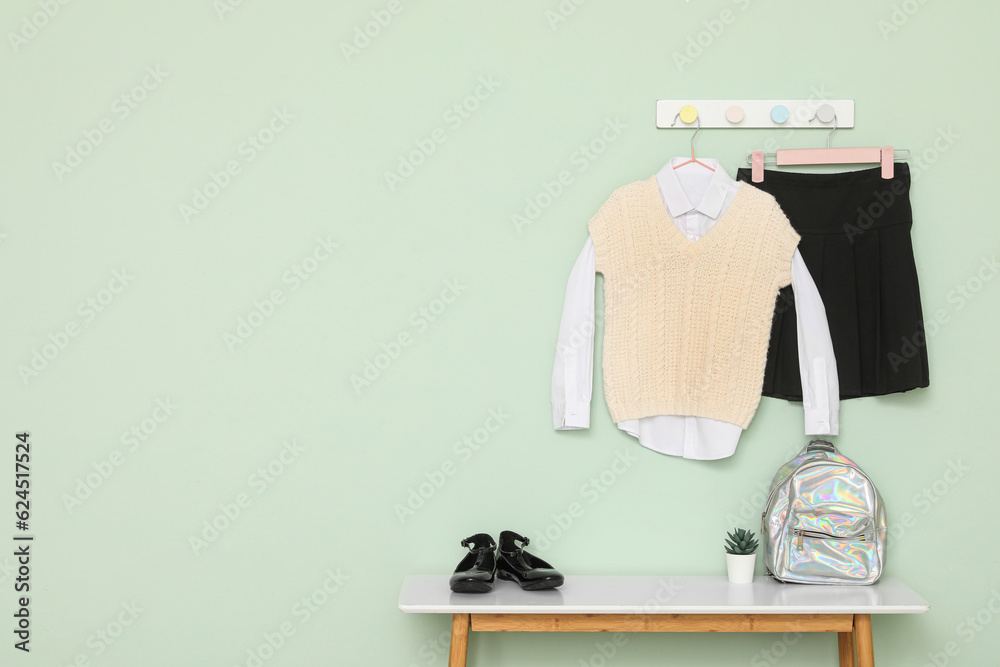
[(904, 346), (867, 251), (780, 355)]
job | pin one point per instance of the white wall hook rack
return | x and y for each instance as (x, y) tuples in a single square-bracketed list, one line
[(753, 113)]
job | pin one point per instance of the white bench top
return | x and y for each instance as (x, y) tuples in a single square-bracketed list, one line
[(429, 594)]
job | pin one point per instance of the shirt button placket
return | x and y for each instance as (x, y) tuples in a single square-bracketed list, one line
[(689, 430)]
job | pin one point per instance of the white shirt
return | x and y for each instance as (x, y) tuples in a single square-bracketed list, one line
[(686, 435)]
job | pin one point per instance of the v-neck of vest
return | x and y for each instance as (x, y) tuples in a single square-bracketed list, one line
[(678, 239)]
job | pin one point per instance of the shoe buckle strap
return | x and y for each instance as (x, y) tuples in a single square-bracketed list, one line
[(524, 542), (477, 548)]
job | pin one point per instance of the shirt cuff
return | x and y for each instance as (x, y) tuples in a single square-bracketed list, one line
[(822, 422), (571, 417)]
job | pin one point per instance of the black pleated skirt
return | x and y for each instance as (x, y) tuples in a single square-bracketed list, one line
[(855, 229)]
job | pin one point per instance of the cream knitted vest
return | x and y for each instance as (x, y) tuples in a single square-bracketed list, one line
[(686, 324)]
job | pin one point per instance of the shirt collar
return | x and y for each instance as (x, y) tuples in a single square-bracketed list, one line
[(676, 200)]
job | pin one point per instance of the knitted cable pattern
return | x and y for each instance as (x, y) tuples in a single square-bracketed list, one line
[(686, 324)]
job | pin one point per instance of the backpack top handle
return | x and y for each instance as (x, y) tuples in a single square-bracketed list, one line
[(819, 445)]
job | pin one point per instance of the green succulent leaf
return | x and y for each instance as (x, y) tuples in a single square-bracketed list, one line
[(741, 542)]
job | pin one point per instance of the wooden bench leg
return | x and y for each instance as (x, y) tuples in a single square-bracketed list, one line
[(863, 638), (459, 646), (845, 642)]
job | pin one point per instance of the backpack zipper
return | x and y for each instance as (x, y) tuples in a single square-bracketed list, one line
[(819, 535)]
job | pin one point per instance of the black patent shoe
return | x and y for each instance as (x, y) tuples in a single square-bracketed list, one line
[(477, 571), (530, 572)]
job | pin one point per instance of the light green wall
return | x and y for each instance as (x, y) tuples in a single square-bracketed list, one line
[(163, 335)]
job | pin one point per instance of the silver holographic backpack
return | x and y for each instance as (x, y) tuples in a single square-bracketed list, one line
[(824, 521)]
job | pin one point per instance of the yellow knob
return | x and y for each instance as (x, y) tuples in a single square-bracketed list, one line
[(688, 113)]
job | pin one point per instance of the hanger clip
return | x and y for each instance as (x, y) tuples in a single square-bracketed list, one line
[(757, 166), (888, 161)]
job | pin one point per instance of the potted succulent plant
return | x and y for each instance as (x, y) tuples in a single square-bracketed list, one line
[(741, 556)]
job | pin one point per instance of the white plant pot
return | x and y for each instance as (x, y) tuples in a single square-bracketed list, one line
[(740, 567)]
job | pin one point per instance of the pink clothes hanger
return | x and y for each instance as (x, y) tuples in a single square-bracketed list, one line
[(693, 158), (883, 155)]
